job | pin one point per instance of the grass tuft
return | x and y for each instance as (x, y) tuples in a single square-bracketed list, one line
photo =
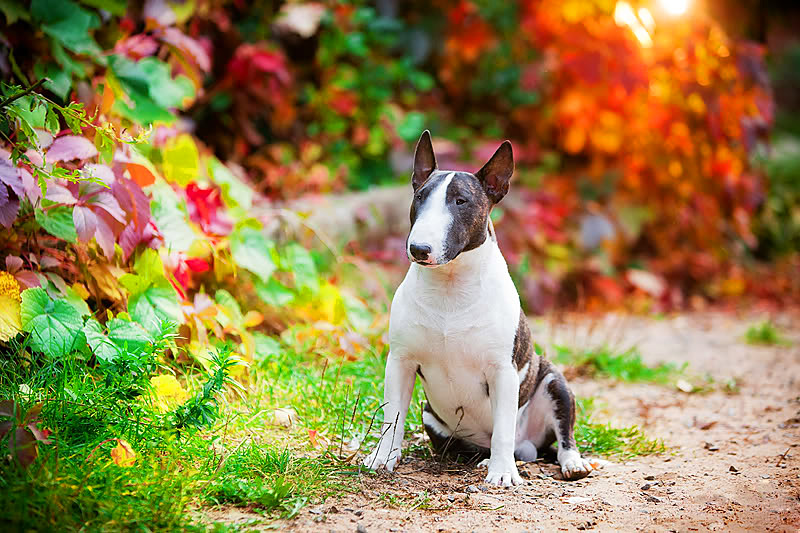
[(605, 440), (765, 333), (621, 366)]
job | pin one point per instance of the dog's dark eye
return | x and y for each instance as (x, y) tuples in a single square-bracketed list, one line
[(460, 201), (418, 196)]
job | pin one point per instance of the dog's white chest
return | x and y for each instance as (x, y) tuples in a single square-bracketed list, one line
[(456, 332)]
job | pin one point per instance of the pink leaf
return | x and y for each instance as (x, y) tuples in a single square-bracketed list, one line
[(28, 279), (60, 194), (102, 172), (49, 262), (187, 45), (13, 263), (107, 202), (106, 235), (85, 222), (158, 13), (32, 190), (9, 207), (70, 147), (10, 176)]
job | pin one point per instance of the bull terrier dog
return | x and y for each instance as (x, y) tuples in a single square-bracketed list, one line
[(456, 322)]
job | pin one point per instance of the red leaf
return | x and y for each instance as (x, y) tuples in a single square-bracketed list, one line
[(196, 264), (137, 46), (130, 237), (133, 201), (85, 222), (205, 208), (22, 444), (70, 147)]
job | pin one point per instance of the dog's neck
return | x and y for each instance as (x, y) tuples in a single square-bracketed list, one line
[(456, 283)]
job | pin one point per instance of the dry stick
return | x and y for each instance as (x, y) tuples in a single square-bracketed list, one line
[(783, 457)]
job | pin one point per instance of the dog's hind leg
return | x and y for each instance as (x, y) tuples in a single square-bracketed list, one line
[(573, 466)]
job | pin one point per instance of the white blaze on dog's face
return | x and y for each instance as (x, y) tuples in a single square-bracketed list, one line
[(450, 210)]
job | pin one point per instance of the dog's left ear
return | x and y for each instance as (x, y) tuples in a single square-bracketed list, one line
[(496, 173)]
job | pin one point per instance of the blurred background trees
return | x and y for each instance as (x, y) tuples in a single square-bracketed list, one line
[(641, 129)]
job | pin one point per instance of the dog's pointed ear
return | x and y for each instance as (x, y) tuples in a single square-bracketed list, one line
[(424, 160), (496, 173)]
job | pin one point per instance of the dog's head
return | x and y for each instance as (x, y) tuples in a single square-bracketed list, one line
[(450, 210)]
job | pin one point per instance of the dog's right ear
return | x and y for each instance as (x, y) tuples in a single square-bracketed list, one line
[(424, 160)]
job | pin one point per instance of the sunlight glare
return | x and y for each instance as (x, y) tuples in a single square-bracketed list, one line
[(675, 7)]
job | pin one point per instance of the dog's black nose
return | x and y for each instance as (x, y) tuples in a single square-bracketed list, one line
[(419, 252)]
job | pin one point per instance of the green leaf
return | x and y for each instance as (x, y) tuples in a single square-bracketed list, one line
[(298, 260), (154, 305), (58, 222), (411, 126), (77, 302), (128, 335), (232, 313), (102, 347), (253, 251), (69, 24), (162, 88), (266, 346), (14, 10), (59, 82), (235, 192), (54, 326), (274, 293), (115, 7), (152, 297), (170, 214)]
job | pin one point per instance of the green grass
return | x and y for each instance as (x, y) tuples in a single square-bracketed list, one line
[(239, 457), (605, 440), (764, 333), (621, 366)]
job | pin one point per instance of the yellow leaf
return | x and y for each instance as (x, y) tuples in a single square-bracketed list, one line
[(181, 160), (10, 320), (167, 392), (331, 305), (123, 454)]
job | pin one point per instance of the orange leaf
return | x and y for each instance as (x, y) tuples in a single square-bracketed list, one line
[(140, 174), (123, 454), (108, 99)]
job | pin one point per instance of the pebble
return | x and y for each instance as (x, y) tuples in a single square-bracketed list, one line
[(358, 513), (649, 478), (646, 486), (361, 529), (471, 488), (733, 469), (451, 498)]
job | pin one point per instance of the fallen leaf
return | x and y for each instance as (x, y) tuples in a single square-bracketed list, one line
[(123, 454)]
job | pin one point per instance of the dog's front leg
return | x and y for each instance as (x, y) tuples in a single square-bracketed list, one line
[(397, 389), (504, 395)]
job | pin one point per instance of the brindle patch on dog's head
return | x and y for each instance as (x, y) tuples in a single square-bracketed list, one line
[(450, 210)]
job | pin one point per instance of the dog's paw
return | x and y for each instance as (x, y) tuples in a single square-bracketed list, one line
[(378, 460), (502, 473), (575, 467)]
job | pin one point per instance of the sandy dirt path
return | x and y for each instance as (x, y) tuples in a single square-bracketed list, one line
[(733, 465)]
